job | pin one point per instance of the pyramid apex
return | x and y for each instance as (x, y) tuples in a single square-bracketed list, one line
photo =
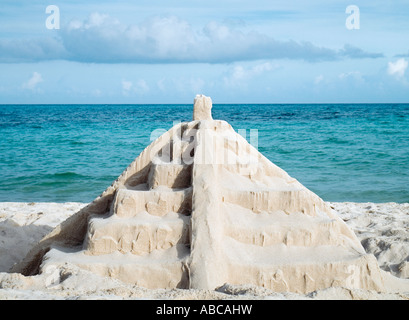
[(202, 108)]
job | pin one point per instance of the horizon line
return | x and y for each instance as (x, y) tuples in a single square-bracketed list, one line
[(185, 104)]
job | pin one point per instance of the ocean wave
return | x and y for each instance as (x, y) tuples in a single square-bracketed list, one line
[(67, 175), (78, 143), (337, 140)]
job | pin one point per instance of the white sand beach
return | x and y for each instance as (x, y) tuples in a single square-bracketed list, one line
[(382, 228)]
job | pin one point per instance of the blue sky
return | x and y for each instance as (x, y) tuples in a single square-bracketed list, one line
[(234, 51)]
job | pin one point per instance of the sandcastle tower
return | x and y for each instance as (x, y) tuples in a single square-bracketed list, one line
[(201, 207)]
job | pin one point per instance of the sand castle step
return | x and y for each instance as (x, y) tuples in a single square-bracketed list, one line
[(171, 175), (273, 200), (294, 269), (201, 207), (159, 269), (139, 235), (158, 202), (278, 227)]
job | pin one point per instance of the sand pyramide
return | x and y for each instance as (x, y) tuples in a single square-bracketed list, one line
[(201, 207)]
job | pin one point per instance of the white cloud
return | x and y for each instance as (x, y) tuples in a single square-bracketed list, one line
[(126, 85), (263, 67), (94, 20), (139, 87), (161, 84), (96, 93), (32, 83), (103, 39), (32, 50), (318, 79), (398, 67), (350, 75), (239, 74)]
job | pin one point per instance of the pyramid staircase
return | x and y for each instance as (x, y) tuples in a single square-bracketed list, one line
[(200, 207)]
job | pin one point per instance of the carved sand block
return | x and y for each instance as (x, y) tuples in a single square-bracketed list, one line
[(139, 236), (176, 176), (202, 108)]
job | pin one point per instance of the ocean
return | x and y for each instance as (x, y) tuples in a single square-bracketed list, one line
[(71, 153)]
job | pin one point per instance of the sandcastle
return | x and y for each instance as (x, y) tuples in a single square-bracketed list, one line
[(201, 207)]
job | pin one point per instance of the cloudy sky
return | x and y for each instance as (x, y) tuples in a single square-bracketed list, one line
[(162, 51)]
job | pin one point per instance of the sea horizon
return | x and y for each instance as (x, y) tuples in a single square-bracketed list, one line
[(214, 104)]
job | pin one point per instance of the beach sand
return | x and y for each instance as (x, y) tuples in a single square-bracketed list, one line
[(382, 228)]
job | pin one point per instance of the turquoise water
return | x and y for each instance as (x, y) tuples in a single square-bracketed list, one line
[(59, 153)]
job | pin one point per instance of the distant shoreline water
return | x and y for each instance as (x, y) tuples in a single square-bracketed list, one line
[(71, 153)]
